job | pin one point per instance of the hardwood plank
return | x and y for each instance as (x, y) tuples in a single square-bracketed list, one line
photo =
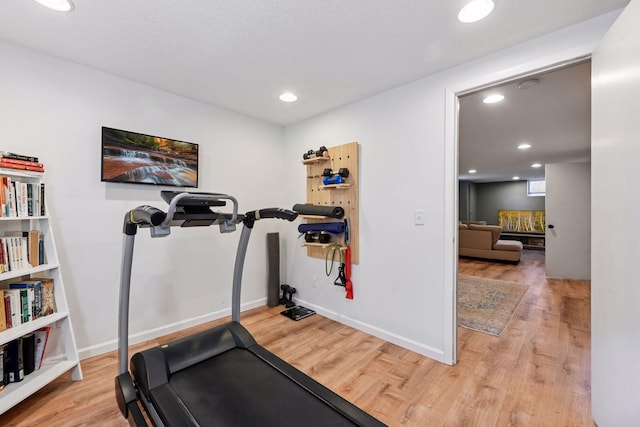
[(536, 373)]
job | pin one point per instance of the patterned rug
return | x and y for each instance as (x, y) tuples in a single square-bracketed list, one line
[(487, 305)]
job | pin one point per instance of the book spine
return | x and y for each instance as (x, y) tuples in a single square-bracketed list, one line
[(42, 205), (24, 305), (3, 267), (12, 198), (48, 297), (7, 310), (3, 313), (5, 191), (10, 254), (34, 237), (15, 361), (30, 200), (29, 352), (24, 256), (21, 167), (38, 301), (36, 199), (16, 318), (3, 381), (41, 258), (3, 199), (8, 155), (8, 160), (42, 337), (24, 199)]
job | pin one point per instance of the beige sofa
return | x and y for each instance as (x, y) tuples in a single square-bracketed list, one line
[(479, 240)]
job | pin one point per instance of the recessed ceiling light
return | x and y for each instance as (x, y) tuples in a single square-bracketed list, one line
[(475, 10), (515, 178), (58, 5), (492, 99), (524, 146), (288, 97), (536, 165), (472, 171)]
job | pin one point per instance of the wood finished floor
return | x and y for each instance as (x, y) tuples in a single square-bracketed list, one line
[(537, 373)]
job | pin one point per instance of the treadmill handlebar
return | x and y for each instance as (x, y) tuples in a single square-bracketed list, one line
[(144, 215), (279, 213)]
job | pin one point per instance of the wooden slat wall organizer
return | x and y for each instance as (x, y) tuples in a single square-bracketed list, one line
[(343, 195)]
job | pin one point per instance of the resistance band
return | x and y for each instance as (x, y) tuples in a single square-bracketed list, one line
[(347, 273)]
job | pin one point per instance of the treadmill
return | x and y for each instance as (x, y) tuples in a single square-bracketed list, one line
[(221, 376)]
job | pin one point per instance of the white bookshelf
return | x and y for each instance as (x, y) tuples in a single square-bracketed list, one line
[(61, 354)]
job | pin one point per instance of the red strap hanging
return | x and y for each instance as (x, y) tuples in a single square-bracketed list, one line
[(347, 273)]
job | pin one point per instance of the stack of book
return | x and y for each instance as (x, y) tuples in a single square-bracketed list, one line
[(20, 161), (22, 356), (20, 197), (25, 301), (21, 250)]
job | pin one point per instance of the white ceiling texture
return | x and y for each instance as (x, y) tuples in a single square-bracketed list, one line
[(241, 54), (550, 111)]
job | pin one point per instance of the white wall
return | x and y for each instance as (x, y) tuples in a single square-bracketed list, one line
[(403, 285), (54, 110), (615, 338), (404, 281)]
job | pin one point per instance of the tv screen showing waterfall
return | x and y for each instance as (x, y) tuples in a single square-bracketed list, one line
[(136, 158)]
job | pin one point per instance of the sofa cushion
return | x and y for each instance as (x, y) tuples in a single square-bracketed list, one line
[(474, 222), (494, 229), (508, 245)]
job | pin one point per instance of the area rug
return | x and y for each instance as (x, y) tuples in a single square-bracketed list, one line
[(487, 305)]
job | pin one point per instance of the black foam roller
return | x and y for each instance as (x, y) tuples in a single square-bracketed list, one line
[(329, 211), (273, 280)]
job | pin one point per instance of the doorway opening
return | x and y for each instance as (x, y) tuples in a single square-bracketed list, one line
[(544, 118)]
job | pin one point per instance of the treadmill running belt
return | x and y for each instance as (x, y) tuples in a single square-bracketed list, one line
[(237, 388)]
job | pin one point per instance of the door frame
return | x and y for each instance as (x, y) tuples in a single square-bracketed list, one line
[(452, 92)]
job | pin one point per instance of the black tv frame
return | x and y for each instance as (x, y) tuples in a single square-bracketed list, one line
[(136, 158)]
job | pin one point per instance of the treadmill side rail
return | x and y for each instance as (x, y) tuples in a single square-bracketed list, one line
[(128, 400)]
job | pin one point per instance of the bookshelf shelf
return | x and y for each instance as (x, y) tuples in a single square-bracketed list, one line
[(60, 354), (15, 393), (21, 218), (27, 271), (21, 173), (13, 333)]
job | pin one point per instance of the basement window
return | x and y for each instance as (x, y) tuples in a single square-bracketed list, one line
[(536, 187)]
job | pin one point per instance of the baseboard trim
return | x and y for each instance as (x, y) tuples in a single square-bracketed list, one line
[(111, 345), (425, 350)]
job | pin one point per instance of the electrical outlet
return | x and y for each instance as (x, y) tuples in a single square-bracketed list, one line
[(314, 281), (419, 217)]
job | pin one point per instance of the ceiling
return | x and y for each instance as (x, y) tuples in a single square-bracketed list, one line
[(241, 54), (552, 113)]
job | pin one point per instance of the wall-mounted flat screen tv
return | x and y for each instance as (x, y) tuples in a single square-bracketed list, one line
[(137, 158)]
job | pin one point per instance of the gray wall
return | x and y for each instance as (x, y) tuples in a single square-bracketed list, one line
[(495, 196)]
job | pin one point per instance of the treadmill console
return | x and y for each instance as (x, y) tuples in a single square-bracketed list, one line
[(194, 211), (167, 196)]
